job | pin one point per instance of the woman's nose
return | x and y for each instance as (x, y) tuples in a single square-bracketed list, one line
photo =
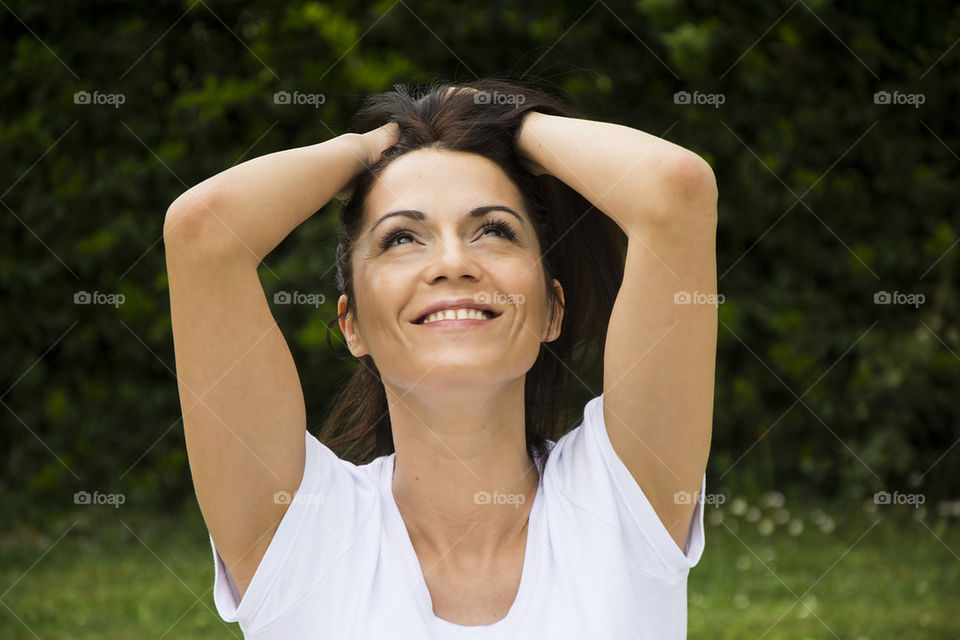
[(452, 258)]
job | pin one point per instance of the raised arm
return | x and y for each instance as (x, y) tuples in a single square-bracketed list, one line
[(660, 352), (244, 417), (248, 209)]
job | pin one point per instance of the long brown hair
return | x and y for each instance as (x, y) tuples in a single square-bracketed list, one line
[(581, 247)]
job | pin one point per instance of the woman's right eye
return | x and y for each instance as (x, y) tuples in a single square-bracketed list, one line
[(387, 242)]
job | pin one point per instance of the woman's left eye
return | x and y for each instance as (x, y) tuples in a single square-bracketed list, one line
[(501, 226)]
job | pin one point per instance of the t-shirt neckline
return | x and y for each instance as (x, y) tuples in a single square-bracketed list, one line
[(401, 537)]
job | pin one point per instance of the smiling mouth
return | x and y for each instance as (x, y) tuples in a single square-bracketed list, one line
[(460, 315)]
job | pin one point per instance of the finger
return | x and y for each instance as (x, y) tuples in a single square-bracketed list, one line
[(392, 130)]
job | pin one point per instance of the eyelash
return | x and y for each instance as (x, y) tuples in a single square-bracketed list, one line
[(500, 225)]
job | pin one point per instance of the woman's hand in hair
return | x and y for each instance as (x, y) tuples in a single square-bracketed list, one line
[(531, 166), (451, 90), (370, 146), (379, 140)]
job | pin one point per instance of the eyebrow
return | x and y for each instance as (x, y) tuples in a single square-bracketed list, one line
[(419, 215)]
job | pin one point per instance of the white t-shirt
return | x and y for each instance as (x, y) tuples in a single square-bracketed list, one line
[(598, 564)]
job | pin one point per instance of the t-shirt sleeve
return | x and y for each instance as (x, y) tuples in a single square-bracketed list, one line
[(332, 503), (592, 475)]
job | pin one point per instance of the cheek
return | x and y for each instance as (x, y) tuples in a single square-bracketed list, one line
[(380, 299), (524, 282)]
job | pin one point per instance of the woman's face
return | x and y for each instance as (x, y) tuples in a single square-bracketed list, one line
[(402, 265)]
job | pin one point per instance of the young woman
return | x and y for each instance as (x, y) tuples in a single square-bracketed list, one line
[(479, 264)]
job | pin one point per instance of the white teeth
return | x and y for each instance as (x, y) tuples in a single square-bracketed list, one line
[(456, 314)]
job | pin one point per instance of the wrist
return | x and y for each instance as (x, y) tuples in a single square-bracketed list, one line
[(527, 141), (521, 138), (353, 154), (355, 150)]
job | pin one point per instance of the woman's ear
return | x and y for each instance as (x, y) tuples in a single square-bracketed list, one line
[(554, 330), (349, 329)]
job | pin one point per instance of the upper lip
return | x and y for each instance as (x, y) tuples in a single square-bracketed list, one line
[(454, 303)]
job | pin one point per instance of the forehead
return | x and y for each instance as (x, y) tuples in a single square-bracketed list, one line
[(440, 183)]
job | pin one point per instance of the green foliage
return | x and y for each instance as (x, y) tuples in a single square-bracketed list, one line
[(817, 386)]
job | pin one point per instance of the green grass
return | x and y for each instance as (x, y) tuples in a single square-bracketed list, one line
[(893, 580), (850, 573), (105, 580)]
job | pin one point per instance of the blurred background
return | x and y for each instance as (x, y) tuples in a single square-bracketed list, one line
[(832, 130)]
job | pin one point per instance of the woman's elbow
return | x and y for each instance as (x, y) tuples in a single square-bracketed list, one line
[(691, 180)]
